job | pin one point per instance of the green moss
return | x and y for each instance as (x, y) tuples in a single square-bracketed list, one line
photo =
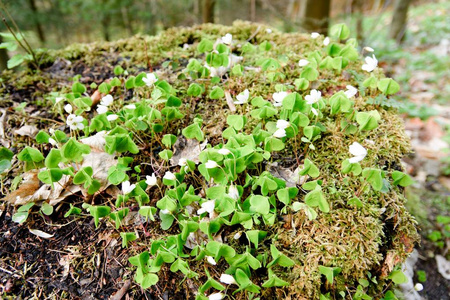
[(372, 239)]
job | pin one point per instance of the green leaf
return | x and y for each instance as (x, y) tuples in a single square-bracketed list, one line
[(97, 212), (73, 150), (42, 137), (46, 208), (147, 212), (301, 84), (15, 61), (401, 179), (217, 93), (5, 159), (259, 204), (104, 88), (166, 154), (166, 220), (78, 88), (309, 73), (309, 168), (205, 46), (373, 176), (316, 198), (236, 121), (310, 212), (272, 144), (340, 31), (370, 82), (72, 211), (388, 86), (29, 154), (193, 131), (368, 120), (348, 167), (50, 175), (255, 236), (274, 280), (329, 272), (398, 277), (169, 140), (355, 202), (149, 280), (194, 90), (127, 237)]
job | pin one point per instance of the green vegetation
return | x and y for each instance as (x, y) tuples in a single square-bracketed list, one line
[(295, 190)]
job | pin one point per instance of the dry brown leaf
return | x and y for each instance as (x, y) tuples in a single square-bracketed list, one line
[(188, 149), (27, 130), (230, 101), (291, 178)]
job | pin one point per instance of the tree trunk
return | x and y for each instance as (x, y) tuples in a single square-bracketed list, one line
[(208, 11), (37, 23), (315, 15), (3, 58), (253, 10), (357, 10), (398, 23)]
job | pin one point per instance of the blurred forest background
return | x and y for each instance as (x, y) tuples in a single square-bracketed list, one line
[(411, 41)]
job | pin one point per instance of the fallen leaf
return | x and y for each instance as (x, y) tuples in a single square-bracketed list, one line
[(292, 178), (41, 233), (187, 148), (27, 130), (230, 101), (443, 266)]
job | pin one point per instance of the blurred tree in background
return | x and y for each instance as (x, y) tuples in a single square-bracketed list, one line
[(57, 23)]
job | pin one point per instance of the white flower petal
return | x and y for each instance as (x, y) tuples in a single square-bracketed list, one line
[(326, 41), (107, 100), (283, 124), (68, 108), (303, 62), (170, 176), (224, 151), (227, 39), (151, 180), (211, 260), (227, 279), (112, 117), (315, 35), (101, 109), (280, 133), (210, 164), (216, 296)]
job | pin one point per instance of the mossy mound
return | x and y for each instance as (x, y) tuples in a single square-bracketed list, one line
[(363, 228)]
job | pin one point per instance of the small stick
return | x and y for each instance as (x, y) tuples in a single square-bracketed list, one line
[(120, 293)]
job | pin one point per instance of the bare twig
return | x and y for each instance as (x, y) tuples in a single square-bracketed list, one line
[(120, 293)]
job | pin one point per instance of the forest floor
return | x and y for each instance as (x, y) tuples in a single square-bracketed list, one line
[(421, 64)]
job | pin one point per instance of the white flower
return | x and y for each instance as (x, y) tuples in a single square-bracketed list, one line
[(216, 296), (112, 117), (227, 279), (326, 41), (315, 35), (101, 109), (313, 97), (368, 49), (52, 141), (280, 133), (211, 260), (127, 187), (371, 63), (233, 192), (314, 111), (227, 39), (303, 62), (242, 97), (165, 211), (107, 100), (237, 235), (68, 108), (278, 98), (58, 99), (268, 30), (219, 72), (150, 79), (75, 122), (283, 124), (130, 106), (207, 206), (358, 151), (51, 131), (418, 287), (224, 151), (169, 175), (210, 164), (182, 162), (350, 92), (151, 180)]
